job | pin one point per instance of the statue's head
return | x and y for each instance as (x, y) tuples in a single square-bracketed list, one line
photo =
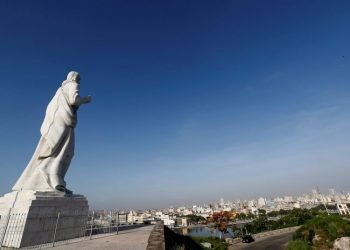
[(73, 76)]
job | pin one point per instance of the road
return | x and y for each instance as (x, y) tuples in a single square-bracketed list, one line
[(277, 242)]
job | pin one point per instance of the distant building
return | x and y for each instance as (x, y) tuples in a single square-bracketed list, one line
[(296, 205), (288, 198), (181, 222), (222, 203), (253, 210), (343, 209), (165, 218), (123, 218), (261, 202), (315, 193), (251, 203)]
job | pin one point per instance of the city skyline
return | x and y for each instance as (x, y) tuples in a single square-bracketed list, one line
[(226, 200), (192, 101), (311, 197)]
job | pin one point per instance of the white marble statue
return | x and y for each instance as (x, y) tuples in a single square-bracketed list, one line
[(52, 157)]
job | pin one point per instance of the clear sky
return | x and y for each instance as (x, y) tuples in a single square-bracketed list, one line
[(192, 100)]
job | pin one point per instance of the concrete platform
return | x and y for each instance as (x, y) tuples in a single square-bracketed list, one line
[(134, 239), (29, 218)]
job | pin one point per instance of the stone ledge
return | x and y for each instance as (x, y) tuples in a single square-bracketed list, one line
[(156, 238)]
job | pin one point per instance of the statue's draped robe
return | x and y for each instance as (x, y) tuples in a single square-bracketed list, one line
[(55, 150)]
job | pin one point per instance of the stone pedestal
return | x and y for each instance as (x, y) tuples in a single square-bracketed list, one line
[(30, 218)]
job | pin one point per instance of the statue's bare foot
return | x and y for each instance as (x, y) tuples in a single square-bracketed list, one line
[(60, 188)]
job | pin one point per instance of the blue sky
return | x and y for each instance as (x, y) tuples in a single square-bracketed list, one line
[(192, 100)]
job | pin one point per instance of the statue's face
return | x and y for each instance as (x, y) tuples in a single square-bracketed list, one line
[(78, 78)]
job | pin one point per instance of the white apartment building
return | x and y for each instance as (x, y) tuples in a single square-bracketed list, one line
[(261, 202)]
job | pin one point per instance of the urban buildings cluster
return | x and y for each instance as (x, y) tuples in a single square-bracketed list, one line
[(174, 215)]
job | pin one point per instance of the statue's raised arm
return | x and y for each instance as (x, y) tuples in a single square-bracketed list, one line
[(55, 150)]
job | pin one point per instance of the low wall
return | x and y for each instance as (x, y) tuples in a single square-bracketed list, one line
[(156, 239), (163, 238), (274, 232), (265, 234)]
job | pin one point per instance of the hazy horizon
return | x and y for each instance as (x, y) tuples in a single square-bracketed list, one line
[(190, 203)]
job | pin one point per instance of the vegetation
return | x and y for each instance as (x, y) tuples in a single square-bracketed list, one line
[(318, 230), (194, 219), (278, 213), (243, 216), (321, 231), (282, 212), (294, 217), (221, 220), (298, 245)]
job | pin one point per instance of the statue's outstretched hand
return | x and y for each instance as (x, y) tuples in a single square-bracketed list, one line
[(86, 99)]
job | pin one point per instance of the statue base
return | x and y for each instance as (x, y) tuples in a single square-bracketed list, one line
[(29, 218)]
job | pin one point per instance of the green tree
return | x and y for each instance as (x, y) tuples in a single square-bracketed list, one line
[(241, 216), (321, 231), (298, 245), (261, 212)]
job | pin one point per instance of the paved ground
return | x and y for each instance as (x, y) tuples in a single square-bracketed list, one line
[(134, 239), (277, 242)]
